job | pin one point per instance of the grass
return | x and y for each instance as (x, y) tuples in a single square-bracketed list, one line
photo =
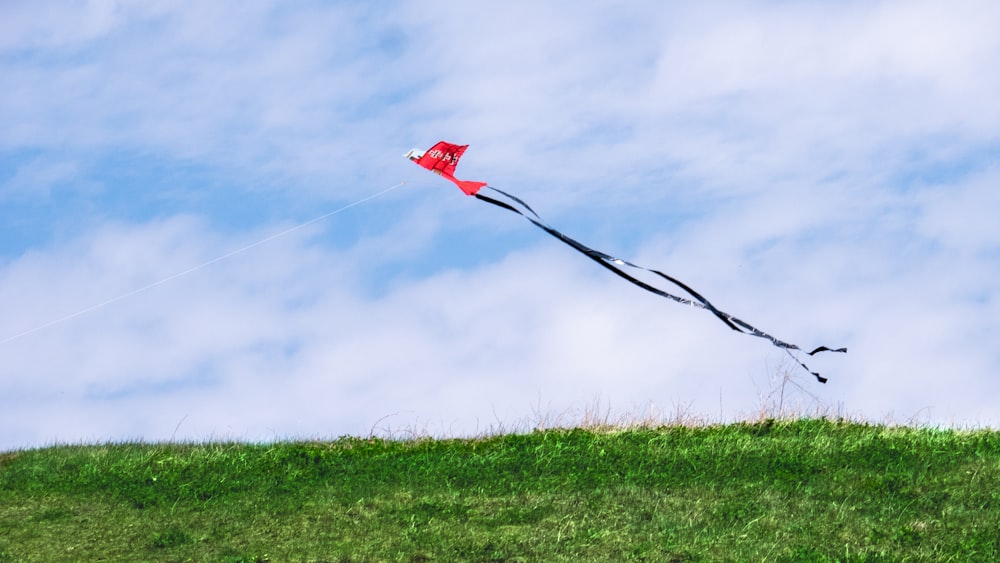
[(802, 490)]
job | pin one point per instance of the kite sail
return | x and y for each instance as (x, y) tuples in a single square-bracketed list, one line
[(442, 159)]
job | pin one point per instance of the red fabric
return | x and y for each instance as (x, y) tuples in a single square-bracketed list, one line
[(442, 159), (470, 188)]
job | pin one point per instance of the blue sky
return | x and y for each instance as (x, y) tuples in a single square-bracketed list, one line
[(825, 171)]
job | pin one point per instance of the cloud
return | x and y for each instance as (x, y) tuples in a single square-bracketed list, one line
[(232, 85), (286, 341), (812, 169), (695, 96), (36, 179), (239, 347), (40, 25)]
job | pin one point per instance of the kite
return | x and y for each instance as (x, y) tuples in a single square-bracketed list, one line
[(442, 159)]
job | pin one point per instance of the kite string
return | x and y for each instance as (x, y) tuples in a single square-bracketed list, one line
[(193, 269)]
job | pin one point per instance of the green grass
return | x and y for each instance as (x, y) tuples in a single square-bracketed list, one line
[(806, 490)]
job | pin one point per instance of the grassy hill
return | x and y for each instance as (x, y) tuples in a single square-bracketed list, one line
[(805, 490)]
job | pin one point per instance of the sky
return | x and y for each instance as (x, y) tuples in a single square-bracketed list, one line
[(826, 171)]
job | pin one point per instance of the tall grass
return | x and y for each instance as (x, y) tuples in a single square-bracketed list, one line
[(808, 489)]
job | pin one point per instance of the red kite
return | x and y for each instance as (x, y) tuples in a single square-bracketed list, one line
[(442, 159)]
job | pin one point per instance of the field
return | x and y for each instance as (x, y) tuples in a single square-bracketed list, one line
[(802, 490)]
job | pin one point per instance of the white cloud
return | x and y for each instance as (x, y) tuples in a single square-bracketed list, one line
[(36, 179), (252, 345), (813, 169), (283, 341), (47, 24)]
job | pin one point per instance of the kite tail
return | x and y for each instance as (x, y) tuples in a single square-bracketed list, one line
[(611, 263)]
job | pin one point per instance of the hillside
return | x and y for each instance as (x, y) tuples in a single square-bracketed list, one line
[(798, 490)]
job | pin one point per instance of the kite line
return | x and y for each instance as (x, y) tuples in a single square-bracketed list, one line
[(201, 266), (442, 159)]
